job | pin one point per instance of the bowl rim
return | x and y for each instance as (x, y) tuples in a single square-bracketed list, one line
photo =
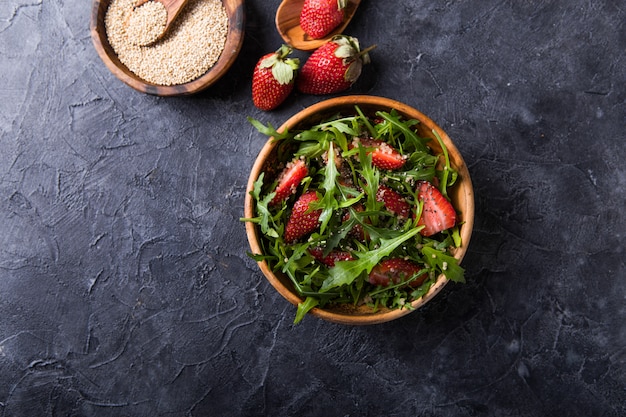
[(254, 235), (235, 11)]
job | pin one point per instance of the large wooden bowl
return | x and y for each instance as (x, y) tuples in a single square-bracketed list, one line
[(234, 40), (461, 194)]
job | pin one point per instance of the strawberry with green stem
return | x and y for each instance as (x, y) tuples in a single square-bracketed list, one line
[(333, 67), (319, 17), (273, 78)]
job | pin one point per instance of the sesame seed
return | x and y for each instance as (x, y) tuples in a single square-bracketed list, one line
[(146, 23), (190, 48)]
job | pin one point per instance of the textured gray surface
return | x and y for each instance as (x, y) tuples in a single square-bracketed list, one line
[(125, 289)]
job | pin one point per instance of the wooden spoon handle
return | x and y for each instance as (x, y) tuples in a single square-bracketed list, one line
[(173, 8), (169, 4)]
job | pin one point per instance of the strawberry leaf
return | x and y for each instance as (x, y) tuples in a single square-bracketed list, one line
[(283, 72)]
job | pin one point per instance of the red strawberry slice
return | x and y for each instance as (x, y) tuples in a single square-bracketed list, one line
[(332, 257), (319, 17), (438, 213), (384, 156), (395, 271), (302, 220), (393, 201), (289, 179)]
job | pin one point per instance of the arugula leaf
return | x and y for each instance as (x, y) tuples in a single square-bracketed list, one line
[(328, 203), (264, 218), (371, 178), (269, 130), (303, 308), (443, 185), (404, 127), (366, 122), (344, 272), (448, 265), (339, 124)]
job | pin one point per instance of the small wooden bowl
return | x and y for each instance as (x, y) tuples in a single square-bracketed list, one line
[(288, 25), (234, 41), (461, 194)]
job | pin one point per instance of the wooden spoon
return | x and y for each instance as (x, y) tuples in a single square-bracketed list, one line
[(288, 25), (173, 9)]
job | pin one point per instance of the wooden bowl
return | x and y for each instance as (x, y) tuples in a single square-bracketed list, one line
[(234, 40), (461, 194), (288, 25)]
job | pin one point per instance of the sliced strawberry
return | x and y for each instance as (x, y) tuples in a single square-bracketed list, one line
[(302, 220), (438, 213), (289, 180), (393, 201), (395, 271), (384, 156), (332, 257)]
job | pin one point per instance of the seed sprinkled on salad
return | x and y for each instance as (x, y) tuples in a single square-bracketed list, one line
[(366, 219)]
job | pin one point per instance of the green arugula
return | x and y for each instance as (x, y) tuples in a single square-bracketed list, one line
[(345, 272)]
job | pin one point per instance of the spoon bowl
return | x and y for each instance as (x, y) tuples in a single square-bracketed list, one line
[(288, 25), (173, 9)]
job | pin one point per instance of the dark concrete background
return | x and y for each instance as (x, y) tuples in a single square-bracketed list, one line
[(125, 289)]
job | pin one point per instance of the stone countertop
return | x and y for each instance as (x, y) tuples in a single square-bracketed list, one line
[(125, 288)]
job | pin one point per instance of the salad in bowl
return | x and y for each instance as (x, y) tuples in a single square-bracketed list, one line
[(359, 210)]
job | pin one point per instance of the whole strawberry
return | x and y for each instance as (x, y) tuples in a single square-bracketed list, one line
[(273, 78), (319, 17), (333, 67)]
